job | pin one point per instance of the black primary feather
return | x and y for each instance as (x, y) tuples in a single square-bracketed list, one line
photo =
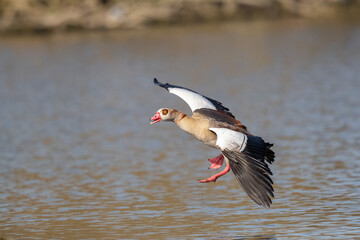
[(251, 171), (216, 103)]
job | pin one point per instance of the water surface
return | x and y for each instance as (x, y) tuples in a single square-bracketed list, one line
[(79, 159)]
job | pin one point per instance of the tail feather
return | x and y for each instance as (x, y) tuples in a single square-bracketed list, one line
[(269, 154)]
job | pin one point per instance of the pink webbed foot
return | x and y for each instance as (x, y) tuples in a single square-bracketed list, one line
[(216, 176), (216, 162), (210, 179)]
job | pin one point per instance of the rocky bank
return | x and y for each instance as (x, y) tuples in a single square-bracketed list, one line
[(49, 15)]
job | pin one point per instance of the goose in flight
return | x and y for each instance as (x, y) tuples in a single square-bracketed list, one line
[(213, 124)]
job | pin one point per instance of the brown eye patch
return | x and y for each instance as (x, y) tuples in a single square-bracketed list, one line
[(165, 111)]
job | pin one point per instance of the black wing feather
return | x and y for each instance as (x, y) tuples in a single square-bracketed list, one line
[(251, 171), (216, 103)]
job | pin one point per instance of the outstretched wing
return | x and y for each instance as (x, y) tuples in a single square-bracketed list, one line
[(194, 99), (246, 155)]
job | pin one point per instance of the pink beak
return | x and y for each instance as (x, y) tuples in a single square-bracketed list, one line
[(156, 118)]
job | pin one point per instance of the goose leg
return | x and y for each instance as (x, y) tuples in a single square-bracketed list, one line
[(216, 176), (216, 162)]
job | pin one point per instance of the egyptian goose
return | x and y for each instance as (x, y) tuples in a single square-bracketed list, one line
[(214, 125)]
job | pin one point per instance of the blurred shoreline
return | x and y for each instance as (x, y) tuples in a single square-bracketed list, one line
[(62, 15)]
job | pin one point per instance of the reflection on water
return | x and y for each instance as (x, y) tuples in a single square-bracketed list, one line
[(79, 159)]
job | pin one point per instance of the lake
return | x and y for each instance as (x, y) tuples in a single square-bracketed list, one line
[(79, 159)]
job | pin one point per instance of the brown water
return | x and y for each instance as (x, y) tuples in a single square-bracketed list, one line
[(79, 159)]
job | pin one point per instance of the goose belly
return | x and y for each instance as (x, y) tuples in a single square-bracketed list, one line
[(206, 136)]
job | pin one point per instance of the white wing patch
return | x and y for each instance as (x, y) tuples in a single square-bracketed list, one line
[(229, 139), (194, 100)]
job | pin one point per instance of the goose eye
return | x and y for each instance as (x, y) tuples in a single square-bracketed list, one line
[(165, 111)]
